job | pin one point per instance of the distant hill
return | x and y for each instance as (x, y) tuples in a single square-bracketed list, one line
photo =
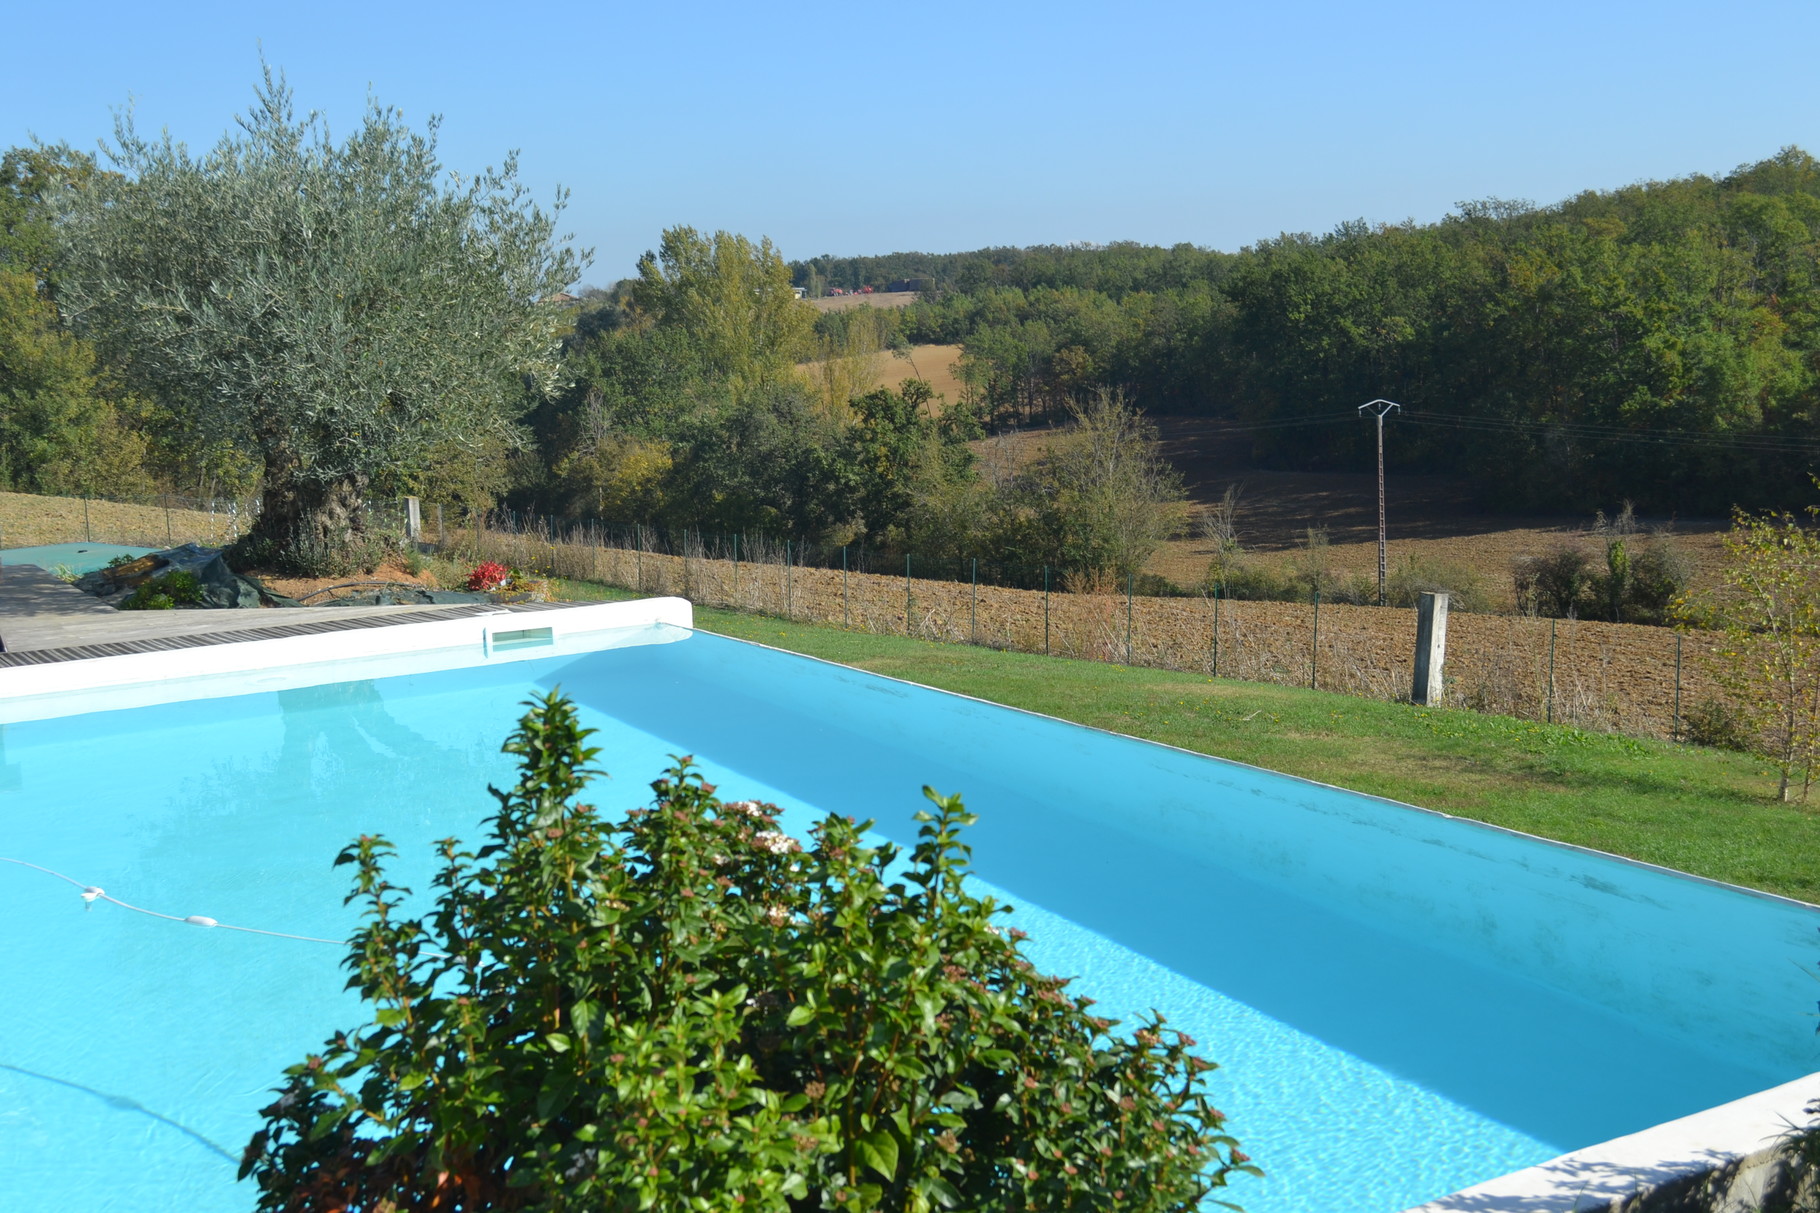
[(1658, 342)]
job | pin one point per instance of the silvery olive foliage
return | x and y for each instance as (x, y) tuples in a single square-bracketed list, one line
[(338, 309), (688, 1009)]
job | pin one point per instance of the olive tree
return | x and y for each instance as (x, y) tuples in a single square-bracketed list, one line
[(338, 310)]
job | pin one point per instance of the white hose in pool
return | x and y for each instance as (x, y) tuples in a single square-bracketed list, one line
[(93, 893)]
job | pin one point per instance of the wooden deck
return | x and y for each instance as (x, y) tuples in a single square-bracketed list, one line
[(43, 619)]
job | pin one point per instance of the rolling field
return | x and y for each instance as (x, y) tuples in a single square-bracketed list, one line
[(883, 299), (1432, 519), (934, 364)]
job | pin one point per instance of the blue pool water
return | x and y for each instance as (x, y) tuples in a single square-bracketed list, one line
[(1402, 1004)]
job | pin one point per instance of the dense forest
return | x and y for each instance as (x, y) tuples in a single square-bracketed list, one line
[(1659, 342)]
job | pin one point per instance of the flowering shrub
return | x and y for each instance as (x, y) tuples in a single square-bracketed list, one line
[(690, 1009), (489, 575)]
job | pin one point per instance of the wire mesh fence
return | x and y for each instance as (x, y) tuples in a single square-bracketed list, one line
[(161, 520), (1610, 677), (1601, 676)]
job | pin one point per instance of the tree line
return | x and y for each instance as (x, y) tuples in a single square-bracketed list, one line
[(326, 323), (1658, 342)]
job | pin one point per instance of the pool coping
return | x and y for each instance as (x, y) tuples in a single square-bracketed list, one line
[(313, 652), (1610, 1174), (276, 631)]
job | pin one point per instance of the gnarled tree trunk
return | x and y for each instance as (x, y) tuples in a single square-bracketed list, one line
[(310, 526)]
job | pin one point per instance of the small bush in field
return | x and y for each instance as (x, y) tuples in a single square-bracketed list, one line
[(687, 1009)]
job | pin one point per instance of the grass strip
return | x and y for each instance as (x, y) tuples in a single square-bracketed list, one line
[(1699, 810)]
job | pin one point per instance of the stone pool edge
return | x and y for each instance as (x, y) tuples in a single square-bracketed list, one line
[(1729, 1157)]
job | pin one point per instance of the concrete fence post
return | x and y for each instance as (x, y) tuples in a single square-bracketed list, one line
[(413, 519), (1431, 649)]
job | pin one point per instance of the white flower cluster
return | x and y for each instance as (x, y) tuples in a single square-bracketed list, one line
[(775, 841)]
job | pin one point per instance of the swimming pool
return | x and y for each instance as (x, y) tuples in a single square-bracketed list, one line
[(1402, 1004)]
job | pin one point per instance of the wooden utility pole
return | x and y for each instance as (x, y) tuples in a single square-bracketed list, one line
[(1379, 409)]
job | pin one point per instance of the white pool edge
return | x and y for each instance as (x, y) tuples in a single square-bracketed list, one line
[(1615, 1174), (62, 688)]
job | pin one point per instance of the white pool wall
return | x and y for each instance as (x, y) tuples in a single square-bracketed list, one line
[(236, 667)]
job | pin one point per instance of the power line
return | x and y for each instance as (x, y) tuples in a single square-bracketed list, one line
[(1598, 432)]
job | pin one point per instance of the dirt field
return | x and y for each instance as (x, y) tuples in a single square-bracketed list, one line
[(1613, 677), (840, 303), (1430, 518), (934, 364)]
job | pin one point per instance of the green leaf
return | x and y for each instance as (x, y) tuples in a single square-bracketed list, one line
[(558, 1088), (878, 1150), (946, 1194), (800, 1014), (558, 1042)]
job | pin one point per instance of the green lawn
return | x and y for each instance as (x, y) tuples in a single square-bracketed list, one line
[(1703, 811)]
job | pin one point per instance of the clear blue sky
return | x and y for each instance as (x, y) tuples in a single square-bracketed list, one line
[(866, 128)]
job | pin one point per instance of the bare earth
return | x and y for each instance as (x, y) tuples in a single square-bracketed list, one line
[(1431, 518), (300, 587), (840, 303), (933, 364)]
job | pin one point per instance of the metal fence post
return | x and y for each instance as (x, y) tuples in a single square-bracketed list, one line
[(1215, 671), (1127, 618), (736, 570), (1314, 645), (88, 529), (789, 612), (906, 593), (1675, 727), (1550, 716), (169, 538), (973, 611), (1045, 610), (846, 617)]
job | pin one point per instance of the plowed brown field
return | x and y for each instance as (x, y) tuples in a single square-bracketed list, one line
[(1431, 519)]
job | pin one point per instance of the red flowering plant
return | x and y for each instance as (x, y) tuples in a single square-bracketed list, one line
[(689, 1009), (489, 575)]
